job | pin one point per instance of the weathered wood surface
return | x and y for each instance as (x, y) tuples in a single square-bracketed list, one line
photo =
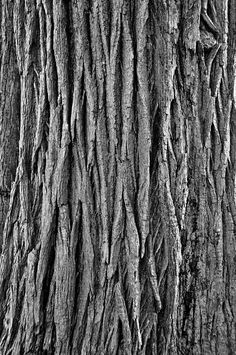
[(117, 177)]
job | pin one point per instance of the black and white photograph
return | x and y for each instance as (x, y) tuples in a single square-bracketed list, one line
[(117, 177)]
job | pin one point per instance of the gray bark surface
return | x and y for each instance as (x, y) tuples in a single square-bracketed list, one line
[(117, 177)]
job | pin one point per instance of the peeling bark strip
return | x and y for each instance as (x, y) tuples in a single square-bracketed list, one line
[(117, 177)]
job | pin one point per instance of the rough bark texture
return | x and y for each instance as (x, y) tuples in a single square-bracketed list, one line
[(117, 177)]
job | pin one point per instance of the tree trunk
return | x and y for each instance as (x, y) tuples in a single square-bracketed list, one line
[(117, 177)]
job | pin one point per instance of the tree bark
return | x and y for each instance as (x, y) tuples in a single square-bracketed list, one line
[(117, 177)]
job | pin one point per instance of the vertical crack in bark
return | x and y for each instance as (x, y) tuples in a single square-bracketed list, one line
[(9, 111)]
